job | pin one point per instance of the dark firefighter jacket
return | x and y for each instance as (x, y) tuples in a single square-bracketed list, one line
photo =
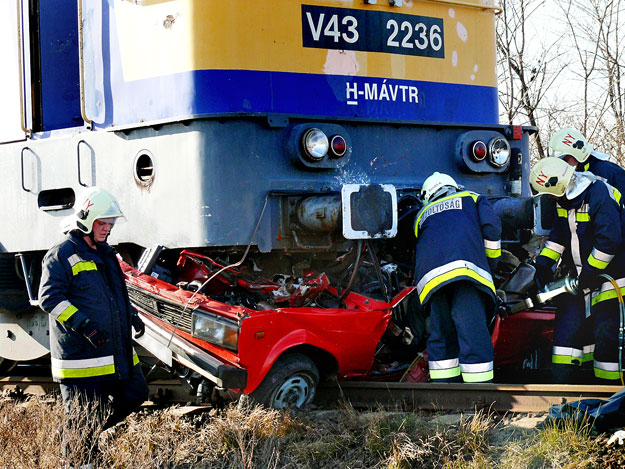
[(458, 238), (612, 173), (77, 283), (588, 231)]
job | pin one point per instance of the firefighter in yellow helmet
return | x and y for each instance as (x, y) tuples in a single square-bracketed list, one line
[(587, 235), (91, 319), (571, 146)]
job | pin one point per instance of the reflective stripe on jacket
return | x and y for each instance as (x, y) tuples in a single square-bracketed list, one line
[(79, 283), (589, 230), (612, 173), (458, 238)]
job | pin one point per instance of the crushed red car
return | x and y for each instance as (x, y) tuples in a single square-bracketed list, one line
[(275, 336)]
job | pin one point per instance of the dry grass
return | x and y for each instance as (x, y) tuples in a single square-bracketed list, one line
[(250, 437)]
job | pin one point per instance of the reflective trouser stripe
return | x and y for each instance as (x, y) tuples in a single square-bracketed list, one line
[(443, 374), (589, 353), (84, 368), (63, 311), (477, 372), (441, 369), (567, 355), (607, 370), (608, 292), (443, 273), (477, 377)]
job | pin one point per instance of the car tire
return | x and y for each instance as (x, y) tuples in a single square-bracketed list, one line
[(291, 383)]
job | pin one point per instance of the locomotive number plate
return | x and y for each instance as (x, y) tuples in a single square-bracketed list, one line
[(372, 31)]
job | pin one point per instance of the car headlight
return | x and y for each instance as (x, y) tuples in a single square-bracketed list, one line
[(499, 152), (216, 330)]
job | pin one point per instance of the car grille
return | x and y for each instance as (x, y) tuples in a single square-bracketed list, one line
[(165, 310)]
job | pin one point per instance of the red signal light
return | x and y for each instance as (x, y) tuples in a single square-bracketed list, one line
[(338, 145), (478, 150)]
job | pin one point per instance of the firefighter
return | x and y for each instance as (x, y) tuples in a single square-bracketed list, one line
[(588, 232), (571, 146), (458, 245), (91, 319)]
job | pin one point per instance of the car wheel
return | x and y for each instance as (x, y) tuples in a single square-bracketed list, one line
[(291, 383)]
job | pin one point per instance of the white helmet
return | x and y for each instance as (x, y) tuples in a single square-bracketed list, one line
[(94, 204), (570, 142), (551, 176), (436, 185)]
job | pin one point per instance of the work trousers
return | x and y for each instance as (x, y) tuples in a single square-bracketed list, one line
[(93, 407), (459, 347), (115, 398), (578, 339)]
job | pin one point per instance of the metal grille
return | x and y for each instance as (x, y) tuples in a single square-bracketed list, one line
[(8, 275), (166, 311)]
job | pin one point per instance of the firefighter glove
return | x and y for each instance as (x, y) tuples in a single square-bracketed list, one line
[(138, 326), (92, 334), (589, 281), (543, 276)]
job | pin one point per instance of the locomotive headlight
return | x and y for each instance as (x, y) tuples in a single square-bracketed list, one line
[(315, 144), (216, 330), (498, 152)]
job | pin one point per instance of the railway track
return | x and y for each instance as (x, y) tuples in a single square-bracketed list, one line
[(394, 396), (161, 391), (454, 397)]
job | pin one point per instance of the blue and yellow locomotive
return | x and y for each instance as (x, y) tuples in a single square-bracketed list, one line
[(297, 127)]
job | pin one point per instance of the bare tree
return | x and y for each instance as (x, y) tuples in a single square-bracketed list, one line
[(527, 68)]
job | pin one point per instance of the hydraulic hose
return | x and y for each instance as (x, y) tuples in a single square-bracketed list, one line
[(356, 265)]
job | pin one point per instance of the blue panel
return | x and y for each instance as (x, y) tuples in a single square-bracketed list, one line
[(60, 78), (244, 91)]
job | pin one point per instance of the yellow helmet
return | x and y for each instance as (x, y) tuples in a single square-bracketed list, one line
[(551, 176), (94, 204), (570, 142), (434, 183)]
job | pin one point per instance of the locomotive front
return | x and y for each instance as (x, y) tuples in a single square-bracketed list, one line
[(270, 155)]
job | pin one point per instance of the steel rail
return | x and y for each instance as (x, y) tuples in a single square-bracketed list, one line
[(455, 397), (392, 396), (166, 391)]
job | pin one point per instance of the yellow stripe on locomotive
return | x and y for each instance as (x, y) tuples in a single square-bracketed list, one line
[(166, 37)]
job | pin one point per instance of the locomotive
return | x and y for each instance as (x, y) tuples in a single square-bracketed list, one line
[(268, 157)]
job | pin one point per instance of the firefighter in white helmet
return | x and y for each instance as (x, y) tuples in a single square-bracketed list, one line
[(571, 146), (91, 318), (587, 235), (458, 242)]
